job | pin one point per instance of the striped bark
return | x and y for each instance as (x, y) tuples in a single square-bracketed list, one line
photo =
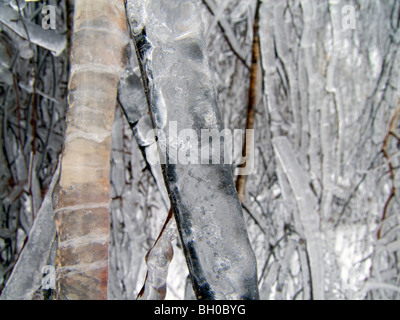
[(82, 214)]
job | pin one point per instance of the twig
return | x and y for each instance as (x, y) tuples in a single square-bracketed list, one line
[(254, 218), (33, 113), (228, 33), (355, 189), (254, 80), (47, 39), (271, 252), (149, 290), (386, 155)]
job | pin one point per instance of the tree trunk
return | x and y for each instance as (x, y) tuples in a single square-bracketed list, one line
[(82, 214)]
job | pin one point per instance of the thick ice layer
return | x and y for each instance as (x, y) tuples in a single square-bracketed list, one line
[(133, 102), (179, 86)]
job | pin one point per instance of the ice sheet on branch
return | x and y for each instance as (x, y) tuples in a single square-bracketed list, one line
[(170, 47), (308, 215)]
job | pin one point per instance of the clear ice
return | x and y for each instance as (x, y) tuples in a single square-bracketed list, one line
[(179, 88)]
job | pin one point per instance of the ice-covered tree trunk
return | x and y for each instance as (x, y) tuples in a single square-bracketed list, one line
[(83, 199), (181, 95)]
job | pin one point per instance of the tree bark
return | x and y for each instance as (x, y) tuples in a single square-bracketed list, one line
[(82, 214)]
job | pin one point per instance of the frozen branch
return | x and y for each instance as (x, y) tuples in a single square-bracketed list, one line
[(307, 206), (170, 49), (26, 276), (132, 99), (228, 33), (254, 98), (387, 157), (47, 39), (158, 260)]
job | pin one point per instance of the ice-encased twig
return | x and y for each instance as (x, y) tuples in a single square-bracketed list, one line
[(47, 39), (132, 100), (228, 32), (170, 47), (26, 276), (158, 260), (133, 103), (307, 205)]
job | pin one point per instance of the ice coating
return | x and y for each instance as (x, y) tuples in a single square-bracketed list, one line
[(135, 12), (179, 88), (158, 260), (131, 97), (25, 278), (132, 100), (309, 218)]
